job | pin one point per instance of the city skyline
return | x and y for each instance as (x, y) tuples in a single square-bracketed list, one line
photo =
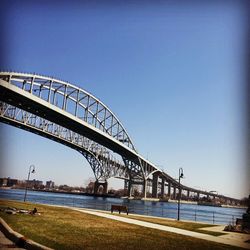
[(173, 76)]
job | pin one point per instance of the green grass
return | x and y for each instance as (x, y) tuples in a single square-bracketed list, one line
[(191, 226), (62, 228)]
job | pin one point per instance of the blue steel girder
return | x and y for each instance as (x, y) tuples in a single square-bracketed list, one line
[(72, 110), (73, 100), (101, 160), (39, 95), (101, 172)]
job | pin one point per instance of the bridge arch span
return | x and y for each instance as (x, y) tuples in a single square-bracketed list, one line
[(73, 100), (70, 115), (38, 95), (102, 161)]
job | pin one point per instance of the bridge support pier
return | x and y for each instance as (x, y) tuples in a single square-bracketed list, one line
[(179, 193), (169, 190), (162, 188), (155, 185), (125, 184), (129, 188), (174, 193), (198, 195), (99, 184), (188, 193), (144, 191)]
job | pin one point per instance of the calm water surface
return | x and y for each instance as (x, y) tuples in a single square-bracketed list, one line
[(208, 214)]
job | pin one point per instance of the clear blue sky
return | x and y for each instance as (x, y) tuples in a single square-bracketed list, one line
[(173, 73)]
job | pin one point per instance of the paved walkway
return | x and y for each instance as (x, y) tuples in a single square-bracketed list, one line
[(233, 239), (231, 236)]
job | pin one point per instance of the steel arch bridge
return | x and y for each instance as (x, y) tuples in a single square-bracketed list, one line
[(70, 115)]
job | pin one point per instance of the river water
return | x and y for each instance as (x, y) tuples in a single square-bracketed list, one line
[(208, 214)]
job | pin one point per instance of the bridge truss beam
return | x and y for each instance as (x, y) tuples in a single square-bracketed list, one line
[(67, 114), (101, 160)]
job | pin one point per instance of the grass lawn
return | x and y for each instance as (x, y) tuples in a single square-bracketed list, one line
[(191, 226), (62, 228)]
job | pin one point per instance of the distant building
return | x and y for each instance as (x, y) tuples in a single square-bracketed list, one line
[(8, 182), (34, 183), (3, 182), (12, 182), (50, 184)]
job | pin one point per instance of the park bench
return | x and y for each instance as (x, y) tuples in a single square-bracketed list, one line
[(119, 208)]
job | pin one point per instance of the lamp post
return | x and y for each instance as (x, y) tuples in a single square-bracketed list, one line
[(179, 198), (31, 170)]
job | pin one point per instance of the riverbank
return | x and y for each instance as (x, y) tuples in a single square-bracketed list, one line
[(64, 192), (74, 228), (188, 211), (83, 194), (184, 202), (230, 206)]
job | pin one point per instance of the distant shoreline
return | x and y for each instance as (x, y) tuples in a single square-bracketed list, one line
[(113, 196), (65, 192)]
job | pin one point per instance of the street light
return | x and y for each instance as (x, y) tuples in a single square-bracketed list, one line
[(179, 198), (32, 171)]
